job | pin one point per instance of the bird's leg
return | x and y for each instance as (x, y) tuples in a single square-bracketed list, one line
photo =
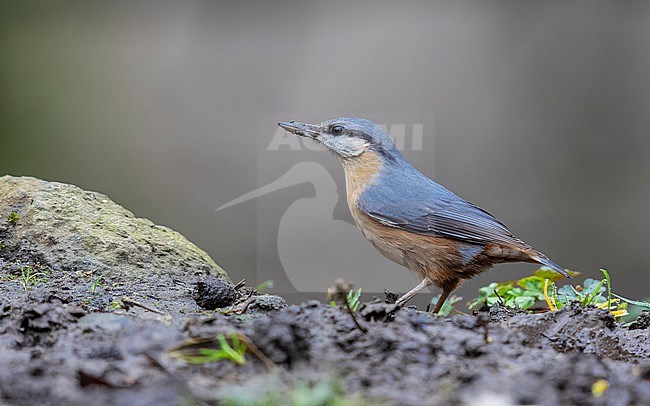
[(443, 297), (407, 296)]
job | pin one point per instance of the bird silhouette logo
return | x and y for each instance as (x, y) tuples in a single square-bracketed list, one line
[(315, 248)]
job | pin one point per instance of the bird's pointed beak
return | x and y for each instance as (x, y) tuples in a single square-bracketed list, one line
[(302, 129)]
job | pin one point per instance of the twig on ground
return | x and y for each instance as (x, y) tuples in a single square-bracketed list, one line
[(244, 305), (240, 284), (127, 301), (354, 318), (270, 365)]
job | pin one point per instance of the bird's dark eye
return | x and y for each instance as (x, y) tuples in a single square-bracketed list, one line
[(337, 130)]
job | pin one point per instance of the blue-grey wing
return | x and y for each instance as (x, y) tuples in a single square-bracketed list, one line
[(422, 206)]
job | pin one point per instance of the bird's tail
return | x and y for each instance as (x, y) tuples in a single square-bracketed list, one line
[(543, 259)]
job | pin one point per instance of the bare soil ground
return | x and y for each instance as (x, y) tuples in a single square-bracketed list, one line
[(61, 344)]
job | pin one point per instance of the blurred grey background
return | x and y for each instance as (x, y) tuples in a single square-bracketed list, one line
[(541, 112)]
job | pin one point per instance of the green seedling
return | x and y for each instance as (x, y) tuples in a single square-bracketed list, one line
[(97, 283), (324, 391), (448, 306), (523, 293), (354, 299), (541, 287), (590, 294), (30, 277), (232, 351), (327, 392), (115, 305), (264, 286), (343, 292)]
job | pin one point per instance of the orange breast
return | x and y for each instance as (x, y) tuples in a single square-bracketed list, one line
[(437, 258)]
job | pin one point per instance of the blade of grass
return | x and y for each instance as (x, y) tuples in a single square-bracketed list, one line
[(264, 286), (634, 302), (590, 297), (231, 353), (609, 289)]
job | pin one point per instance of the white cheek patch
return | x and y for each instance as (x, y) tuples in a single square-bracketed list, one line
[(347, 146)]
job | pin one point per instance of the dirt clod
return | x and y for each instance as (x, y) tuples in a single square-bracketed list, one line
[(212, 293), (642, 322)]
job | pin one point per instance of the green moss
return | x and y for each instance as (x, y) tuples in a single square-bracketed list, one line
[(108, 238), (13, 218)]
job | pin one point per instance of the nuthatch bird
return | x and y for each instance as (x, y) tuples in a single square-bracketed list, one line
[(409, 218)]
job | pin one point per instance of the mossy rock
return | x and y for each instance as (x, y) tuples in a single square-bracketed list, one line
[(64, 227)]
